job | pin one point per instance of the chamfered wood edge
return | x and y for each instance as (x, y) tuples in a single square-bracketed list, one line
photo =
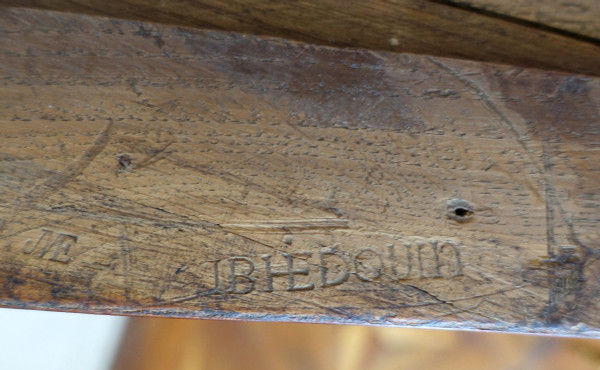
[(431, 28), (579, 331)]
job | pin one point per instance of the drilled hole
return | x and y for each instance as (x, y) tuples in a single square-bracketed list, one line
[(462, 212), (459, 210)]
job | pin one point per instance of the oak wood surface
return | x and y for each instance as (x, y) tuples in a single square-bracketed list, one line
[(413, 26), (154, 170)]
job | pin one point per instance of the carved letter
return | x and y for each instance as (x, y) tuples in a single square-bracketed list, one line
[(216, 274), (393, 258), (233, 280), (457, 263), (359, 262), (435, 260), (289, 272), (61, 245), (29, 247), (340, 279)]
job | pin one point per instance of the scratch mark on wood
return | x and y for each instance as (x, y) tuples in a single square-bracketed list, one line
[(522, 139), (289, 225), (126, 261), (74, 169)]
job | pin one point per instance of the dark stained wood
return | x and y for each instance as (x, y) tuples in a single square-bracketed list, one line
[(576, 16), (153, 170), (412, 26)]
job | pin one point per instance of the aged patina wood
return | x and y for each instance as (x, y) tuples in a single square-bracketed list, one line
[(413, 26), (153, 170)]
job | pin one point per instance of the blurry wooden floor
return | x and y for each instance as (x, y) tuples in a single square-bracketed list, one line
[(177, 344)]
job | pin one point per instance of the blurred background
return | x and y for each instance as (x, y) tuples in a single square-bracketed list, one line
[(53, 340)]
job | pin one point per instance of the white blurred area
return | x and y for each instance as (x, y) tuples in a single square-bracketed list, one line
[(32, 340)]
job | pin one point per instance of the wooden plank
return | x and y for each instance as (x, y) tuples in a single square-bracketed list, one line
[(412, 26), (152, 170), (576, 16)]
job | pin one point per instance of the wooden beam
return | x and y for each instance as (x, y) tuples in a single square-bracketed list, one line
[(413, 26), (576, 16), (152, 170)]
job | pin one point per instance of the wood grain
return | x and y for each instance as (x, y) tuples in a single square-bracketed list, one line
[(413, 26), (152, 170), (579, 16)]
